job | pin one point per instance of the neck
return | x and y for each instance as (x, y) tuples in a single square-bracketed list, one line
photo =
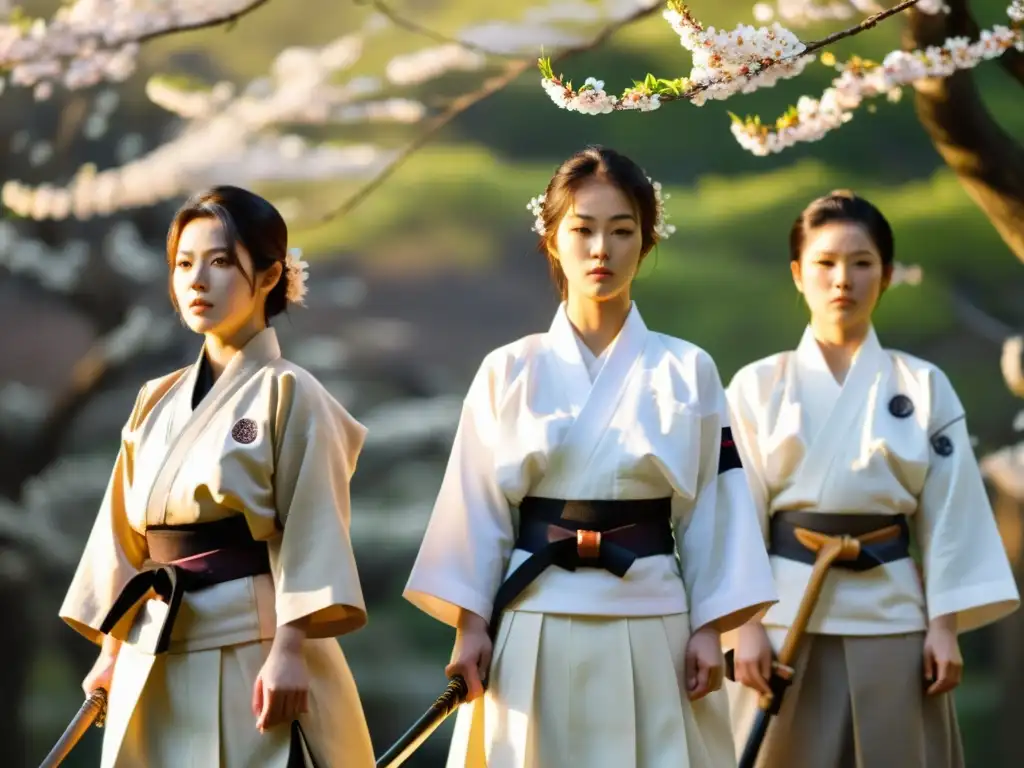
[(220, 349), (597, 322), (839, 344)]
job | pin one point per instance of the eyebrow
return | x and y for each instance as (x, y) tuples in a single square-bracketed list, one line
[(851, 253), (587, 217), (207, 252)]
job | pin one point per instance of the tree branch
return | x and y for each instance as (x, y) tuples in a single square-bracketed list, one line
[(512, 70), (864, 26), (104, 43), (227, 19), (988, 163), (412, 26)]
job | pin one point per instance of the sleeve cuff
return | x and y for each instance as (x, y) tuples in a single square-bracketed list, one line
[(444, 602), (721, 606), (975, 605), (328, 613)]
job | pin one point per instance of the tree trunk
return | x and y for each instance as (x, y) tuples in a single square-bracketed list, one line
[(987, 161), (1009, 661)]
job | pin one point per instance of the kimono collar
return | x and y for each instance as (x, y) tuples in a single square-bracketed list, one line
[(564, 339), (258, 352), (624, 349), (867, 359)]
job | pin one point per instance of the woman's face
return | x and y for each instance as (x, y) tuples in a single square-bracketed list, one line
[(841, 275), (598, 242), (213, 294)]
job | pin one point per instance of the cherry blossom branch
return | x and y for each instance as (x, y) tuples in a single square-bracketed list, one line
[(860, 80), (229, 136), (385, 9), (510, 72), (85, 44), (725, 63)]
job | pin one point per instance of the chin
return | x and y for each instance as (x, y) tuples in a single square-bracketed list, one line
[(200, 325), (603, 292)]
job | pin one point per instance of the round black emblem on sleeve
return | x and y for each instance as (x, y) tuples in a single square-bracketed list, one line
[(942, 445), (244, 431), (901, 406)]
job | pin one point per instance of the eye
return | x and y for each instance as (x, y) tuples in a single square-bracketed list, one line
[(826, 262), (221, 261), (625, 232), (581, 230), (183, 264)]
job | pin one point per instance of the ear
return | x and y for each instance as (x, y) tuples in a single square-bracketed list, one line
[(271, 276), (798, 280)]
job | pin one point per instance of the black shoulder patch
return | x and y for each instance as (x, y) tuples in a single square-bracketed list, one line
[(901, 406), (942, 445), (728, 457)]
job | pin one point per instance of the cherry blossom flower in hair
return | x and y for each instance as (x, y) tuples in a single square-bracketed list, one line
[(296, 273), (662, 229)]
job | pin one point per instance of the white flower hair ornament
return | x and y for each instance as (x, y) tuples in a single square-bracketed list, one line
[(296, 272), (661, 228)]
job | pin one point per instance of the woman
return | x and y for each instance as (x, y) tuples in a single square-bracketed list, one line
[(219, 569), (587, 459), (843, 437)]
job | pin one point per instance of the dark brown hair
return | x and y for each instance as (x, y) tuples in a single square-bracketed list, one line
[(247, 219), (843, 206), (596, 162)]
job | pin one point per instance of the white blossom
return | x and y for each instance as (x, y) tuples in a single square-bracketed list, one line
[(725, 63), (858, 81), (430, 63), (91, 41), (231, 136)]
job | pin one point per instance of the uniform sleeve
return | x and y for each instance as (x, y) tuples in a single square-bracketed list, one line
[(114, 551), (744, 434), (965, 566), (469, 537), (312, 562), (724, 561)]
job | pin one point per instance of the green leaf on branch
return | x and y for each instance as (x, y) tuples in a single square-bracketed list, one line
[(544, 65)]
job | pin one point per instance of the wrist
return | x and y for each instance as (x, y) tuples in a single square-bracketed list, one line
[(709, 629), (290, 637), (470, 622), (944, 623), (110, 646)]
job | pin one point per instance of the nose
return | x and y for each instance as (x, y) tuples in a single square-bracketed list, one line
[(200, 281), (842, 275), (598, 247)]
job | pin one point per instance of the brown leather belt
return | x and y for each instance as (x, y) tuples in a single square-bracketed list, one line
[(188, 558), (609, 534)]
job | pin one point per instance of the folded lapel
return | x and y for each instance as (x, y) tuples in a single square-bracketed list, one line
[(186, 424), (599, 401), (835, 422)]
